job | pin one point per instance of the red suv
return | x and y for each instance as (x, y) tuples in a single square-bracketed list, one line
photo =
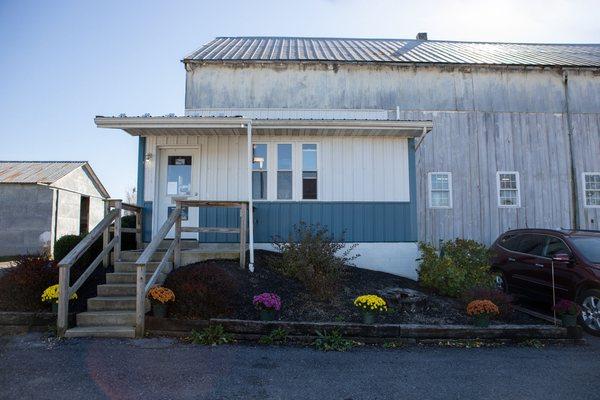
[(524, 259)]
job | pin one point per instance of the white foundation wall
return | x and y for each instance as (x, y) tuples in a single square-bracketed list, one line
[(394, 258), (370, 168)]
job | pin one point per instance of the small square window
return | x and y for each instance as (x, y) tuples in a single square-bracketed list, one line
[(440, 190), (591, 189), (309, 171), (509, 192)]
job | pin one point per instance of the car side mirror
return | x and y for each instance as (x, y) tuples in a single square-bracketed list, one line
[(562, 257)]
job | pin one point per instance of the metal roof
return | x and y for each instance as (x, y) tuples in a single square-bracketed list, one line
[(36, 171), (298, 49)]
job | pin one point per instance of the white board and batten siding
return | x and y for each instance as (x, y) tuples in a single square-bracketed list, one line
[(349, 168)]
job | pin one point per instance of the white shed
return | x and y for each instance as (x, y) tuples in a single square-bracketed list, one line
[(40, 201)]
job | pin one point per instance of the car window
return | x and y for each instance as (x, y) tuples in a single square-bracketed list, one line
[(511, 242), (589, 247), (556, 246), (532, 244)]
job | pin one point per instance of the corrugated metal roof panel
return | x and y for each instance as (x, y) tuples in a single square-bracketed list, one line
[(36, 171), (396, 51)]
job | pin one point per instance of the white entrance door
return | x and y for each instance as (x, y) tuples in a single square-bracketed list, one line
[(178, 179)]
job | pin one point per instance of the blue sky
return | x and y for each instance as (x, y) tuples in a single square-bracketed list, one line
[(63, 62)]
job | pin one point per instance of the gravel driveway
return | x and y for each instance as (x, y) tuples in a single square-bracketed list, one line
[(32, 368)]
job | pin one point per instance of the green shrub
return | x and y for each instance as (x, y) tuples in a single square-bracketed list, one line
[(64, 245), (461, 265), (202, 291), (277, 336), (21, 286), (332, 341), (213, 335), (128, 241), (314, 257)]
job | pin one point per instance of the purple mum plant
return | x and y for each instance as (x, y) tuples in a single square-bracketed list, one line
[(267, 301), (567, 307)]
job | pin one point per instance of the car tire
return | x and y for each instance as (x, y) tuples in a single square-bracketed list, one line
[(589, 319), (500, 282)]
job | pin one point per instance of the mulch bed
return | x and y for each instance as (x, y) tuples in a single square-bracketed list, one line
[(300, 305)]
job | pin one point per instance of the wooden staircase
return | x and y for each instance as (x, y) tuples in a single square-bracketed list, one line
[(112, 312)]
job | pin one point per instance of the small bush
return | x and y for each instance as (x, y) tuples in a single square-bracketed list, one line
[(332, 341), (498, 297), (64, 245), (212, 336), (128, 241), (202, 291), (461, 265), (22, 285), (277, 336), (313, 257)]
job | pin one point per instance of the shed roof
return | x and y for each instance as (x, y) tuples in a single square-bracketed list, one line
[(44, 172), (301, 49)]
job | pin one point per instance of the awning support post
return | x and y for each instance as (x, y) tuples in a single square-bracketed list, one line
[(250, 205)]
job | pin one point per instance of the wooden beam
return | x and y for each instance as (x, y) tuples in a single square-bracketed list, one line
[(62, 319), (206, 203), (160, 235), (86, 274)]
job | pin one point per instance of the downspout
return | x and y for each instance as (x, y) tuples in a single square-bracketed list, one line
[(250, 202), (574, 193)]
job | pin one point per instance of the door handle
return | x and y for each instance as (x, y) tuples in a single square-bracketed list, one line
[(539, 265), (511, 259)]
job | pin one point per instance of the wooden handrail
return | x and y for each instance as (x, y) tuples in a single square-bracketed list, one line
[(131, 207), (140, 286), (64, 291), (161, 266)]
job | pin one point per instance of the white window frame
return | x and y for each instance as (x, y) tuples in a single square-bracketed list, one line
[(518, 181), (264, 169), (291, 170), (585, 190), (430, 192), (301, 172)]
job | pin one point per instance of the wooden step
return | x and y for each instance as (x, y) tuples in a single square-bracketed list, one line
[(133, 255), (101, 331), (106, 318), (116, 289), (129, 266)]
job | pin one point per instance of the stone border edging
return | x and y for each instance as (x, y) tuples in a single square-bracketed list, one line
[(19, 322), (250, 329)]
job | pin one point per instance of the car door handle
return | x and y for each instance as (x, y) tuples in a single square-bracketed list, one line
[(511, 259), (539, 265)]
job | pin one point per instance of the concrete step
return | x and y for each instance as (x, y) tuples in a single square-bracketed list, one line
[(130, 266), (133, 255), (101, 331), (116, 289), (111, 303), (106, 318), (124, 277)]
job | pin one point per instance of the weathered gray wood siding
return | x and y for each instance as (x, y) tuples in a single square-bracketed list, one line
[(485, 120)]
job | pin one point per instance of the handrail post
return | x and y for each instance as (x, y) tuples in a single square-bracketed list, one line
[(138, 229), (106, 235), (243, 225), (117, 250), (177, 252), (62, 319), (140, 296)]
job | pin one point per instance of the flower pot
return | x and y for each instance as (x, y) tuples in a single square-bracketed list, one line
[(481, 321), (159, 310), (267, 315), (55, 307), (368, 318), (568, 320)]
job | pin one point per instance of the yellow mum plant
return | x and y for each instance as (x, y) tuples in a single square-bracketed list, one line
[(51, 294), (161, 294), (482, 307), (370, 303)]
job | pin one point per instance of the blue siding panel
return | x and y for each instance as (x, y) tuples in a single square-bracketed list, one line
[(147, 221)]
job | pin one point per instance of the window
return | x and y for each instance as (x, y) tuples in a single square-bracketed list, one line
[(284, 171), (508, 189), (84, 215), (259, 171), (532, 244), (556, 246), (179, 175), (440, 190), (511, 242), (591, 189), (309, 171)]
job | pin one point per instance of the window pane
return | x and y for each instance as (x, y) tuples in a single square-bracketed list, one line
[(284, 185), (439, 182), (259, 185), (259, 156), (184, 212), (309, 185), (592, 197), (592, 182), (556, 246), (309, 157), (508, 197), (284, 156), (179, 175), (508, 181), (532, 244), (440, 199)]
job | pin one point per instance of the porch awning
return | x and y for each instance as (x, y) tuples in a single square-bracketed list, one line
[(172, 125)]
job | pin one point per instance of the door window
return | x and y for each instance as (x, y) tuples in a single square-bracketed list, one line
[(179, 175), (511, 242), (532, 244), (556, 246)]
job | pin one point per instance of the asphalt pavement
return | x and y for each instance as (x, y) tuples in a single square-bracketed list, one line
[(32, 367)]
